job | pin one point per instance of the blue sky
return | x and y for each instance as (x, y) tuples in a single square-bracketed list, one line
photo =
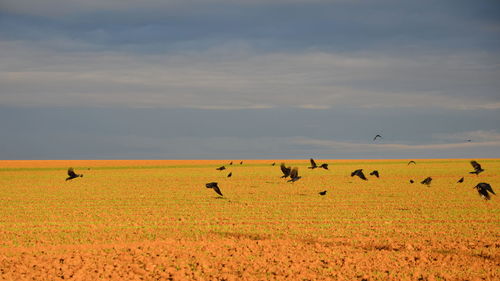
[(249, 79)]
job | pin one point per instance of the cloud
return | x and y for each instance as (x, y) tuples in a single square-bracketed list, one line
[(241, 77)]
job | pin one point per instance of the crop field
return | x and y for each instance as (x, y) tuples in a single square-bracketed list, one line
[(155, 220)]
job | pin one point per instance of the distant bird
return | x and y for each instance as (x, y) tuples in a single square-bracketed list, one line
[(377, 136), (412, 181), (359, 173), (477, 168), (374, 173), (426, 181), (72, 174), (412, 162), (460, 180), (469, 140), (322, 193), (241, 163), (286, 170), (221, 168), (231, 163), (324, 166), (274, 163), (294, 175), (230, 174), (483, 189), (215, 187), (313, 164)]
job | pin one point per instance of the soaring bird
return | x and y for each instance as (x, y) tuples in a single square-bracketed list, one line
[(412, 162), (215, 187), (294, 175), (72, 174), (286, 170), (359, 173), (483, 189), (274, 163), (477, 168), (230, 174), (313, 164), (426, 181), (221, 168), (412, 181), (324, 166), (374, 173), (460, 180), (322, 193), (377, 136)]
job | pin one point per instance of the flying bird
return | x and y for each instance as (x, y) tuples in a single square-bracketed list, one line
[(230, 174), (412, 162), (72, 174), (484, 189), (324, 166), (412, 181), (215, 187), (377, 136), (477, 168), (313, 164), (359, 173), (241, 163), (294, 175), (322, 193), (274, 163), (374, 173), (231, 163), (286, 170), (426, 181), (460, 180), (221, 168)]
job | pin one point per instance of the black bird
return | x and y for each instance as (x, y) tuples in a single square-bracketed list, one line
[(274, 163), (230, 174), (374, 173), (377, 136), (215, 187), (231, 163), (286, 170), (72, 174), (241, 163), (412, 162), (324, 166), (477, 168), (221, 168), (411, 181), (426, 181), (294, 175), (460, 180), (313, 164), (359, 173), (483, 189), (322, 193), (469, 140)]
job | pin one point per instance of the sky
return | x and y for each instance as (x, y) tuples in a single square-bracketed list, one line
[(249, 79)]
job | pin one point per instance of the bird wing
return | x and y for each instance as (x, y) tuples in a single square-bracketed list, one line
[(487, 187), (211, 184), (294, 173), (285, 170), (71, 172), (475, 165), (324, 166), (217, 190), (361, 175), (313, 164), (412, 162), (230, 174)]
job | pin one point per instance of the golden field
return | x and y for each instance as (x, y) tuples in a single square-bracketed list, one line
[(155, 220)]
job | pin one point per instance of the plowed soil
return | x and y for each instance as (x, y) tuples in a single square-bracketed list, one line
[(155, 220)]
